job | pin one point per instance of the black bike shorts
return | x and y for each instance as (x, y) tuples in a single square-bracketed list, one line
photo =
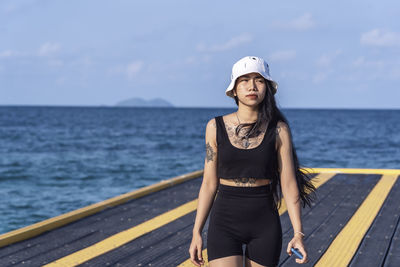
[(245, 215)]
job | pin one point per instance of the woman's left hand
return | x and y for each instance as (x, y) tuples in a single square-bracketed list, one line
[(297, 242)]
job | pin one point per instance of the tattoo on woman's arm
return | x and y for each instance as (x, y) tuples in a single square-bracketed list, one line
[(209, 152)]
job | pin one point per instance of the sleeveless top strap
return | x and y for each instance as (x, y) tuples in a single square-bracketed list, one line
[(220, 130)]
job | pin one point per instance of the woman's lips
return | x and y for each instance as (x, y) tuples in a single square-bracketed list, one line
[(251, 96)]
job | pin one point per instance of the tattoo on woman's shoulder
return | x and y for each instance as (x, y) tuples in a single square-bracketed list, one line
[(278, 128), (213, 124)]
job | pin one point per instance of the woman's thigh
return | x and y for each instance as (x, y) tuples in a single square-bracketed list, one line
[(223, 238), (265, 245), (229, 261), (221, 242)]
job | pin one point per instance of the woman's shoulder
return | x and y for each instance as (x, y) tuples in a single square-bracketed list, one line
[(211, 132), (282, 132), (228, 118), (211, 123), (281, 126), (225, 117)]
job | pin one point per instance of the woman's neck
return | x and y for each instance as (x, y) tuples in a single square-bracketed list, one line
[(247, 114)]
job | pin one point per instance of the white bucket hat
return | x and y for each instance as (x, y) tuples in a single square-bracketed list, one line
[(247, 65)]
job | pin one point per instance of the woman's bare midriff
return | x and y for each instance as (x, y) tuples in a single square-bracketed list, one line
[(244, 181)]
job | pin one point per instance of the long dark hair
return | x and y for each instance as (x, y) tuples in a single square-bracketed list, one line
[(269, 113)]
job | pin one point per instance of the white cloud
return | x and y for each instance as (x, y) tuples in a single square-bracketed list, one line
[(9, 7), (367, 69), (130, 70), (133, 68), (61, 80), (380, 37), (297, 74), (326, 59), (205, 58), (8, 53), (362, 62), (13, 6), (321, 76), (234, 42), (190, 60), (282, 55), (82, 62), (359, 61), (55, 63), (48, 48), (395, 73), (302, 23)]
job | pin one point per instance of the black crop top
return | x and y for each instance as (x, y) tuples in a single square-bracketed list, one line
[(233, 162)]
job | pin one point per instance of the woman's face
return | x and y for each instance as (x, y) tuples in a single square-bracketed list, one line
[(248, 85)]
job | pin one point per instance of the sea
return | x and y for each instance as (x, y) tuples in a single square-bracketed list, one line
[(57, 159)]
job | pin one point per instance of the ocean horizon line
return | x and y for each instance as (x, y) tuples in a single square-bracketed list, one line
[(192, 107)]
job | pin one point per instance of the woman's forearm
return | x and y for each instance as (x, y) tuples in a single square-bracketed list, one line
[(291, 196), (204, 204)]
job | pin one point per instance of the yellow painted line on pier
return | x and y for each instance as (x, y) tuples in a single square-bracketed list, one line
[(317, 181), (124, 237), (58, 221), (352, 170), (346, 243)]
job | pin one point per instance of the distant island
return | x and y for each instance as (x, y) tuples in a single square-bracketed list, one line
[(140, 102)]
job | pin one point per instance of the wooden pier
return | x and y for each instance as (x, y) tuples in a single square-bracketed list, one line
[(354, 222)]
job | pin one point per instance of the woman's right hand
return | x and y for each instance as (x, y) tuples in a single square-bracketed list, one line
[(195, 250)]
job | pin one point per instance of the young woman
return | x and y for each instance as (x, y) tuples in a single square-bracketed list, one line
[(251, 161)]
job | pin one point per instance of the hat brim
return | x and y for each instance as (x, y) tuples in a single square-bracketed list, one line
[(229, 90)]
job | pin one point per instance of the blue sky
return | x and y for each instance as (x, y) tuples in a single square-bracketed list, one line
[(337, 54)]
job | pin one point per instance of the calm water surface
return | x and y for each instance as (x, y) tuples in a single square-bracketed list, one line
[(57, 159)]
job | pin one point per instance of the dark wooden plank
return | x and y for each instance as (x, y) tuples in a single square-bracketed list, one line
[(161, 247), (75, 236), (393, 256), (330, 216), (375, 246)]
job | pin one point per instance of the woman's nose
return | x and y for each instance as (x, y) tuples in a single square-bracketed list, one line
[(253, 84)]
